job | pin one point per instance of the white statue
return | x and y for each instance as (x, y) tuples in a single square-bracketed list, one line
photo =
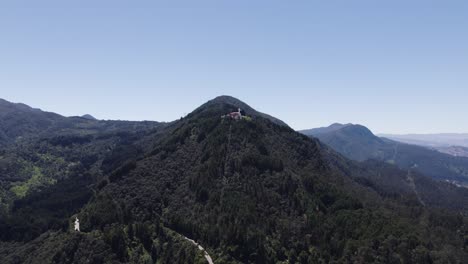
[(77, 225)]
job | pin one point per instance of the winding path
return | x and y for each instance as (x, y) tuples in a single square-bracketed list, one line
[(207, 256)]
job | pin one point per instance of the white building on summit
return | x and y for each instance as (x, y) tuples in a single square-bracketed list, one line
[(77, 225), (234, 115)]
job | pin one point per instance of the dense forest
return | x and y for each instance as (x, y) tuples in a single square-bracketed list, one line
[(249, 190)]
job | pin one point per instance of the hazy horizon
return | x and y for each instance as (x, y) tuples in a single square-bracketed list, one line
[(397, 67)]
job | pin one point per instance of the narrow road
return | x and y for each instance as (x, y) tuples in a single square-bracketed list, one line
[(207, 256)]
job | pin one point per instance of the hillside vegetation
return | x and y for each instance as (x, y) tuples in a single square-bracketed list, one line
[(249, 191)]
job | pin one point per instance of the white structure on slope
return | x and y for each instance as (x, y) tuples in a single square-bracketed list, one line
[(77, 225)]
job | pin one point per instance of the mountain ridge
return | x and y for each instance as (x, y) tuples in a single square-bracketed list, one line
[(249, 190), (359, 143)]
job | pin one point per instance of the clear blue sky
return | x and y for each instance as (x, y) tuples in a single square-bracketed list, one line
[(396, 66)]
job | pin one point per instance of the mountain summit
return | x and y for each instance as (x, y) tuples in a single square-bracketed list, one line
[(236, 103), (89, 117), (321, 130)]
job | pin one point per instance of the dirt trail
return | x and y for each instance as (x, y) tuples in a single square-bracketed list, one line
[(207, 256)]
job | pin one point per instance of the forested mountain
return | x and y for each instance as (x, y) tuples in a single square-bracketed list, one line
[(48, 161), (17, 120), (249, 190), (359, 143)]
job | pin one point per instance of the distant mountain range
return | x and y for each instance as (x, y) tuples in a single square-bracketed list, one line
[(431, 140), (19, 121), (448, 143), (359, 143), (456, 151), (249, 190)]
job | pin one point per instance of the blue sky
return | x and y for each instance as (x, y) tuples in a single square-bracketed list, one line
[(394, 66)]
